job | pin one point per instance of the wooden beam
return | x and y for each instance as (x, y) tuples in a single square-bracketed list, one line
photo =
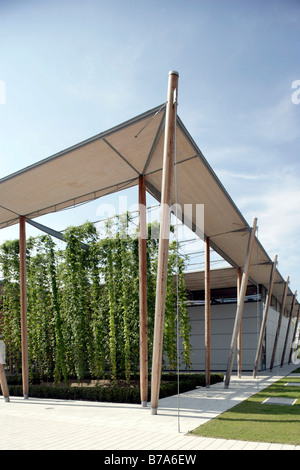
[(143, 291), (155, 142), (284, 295), (294, 335), (240, 305), (207, 312), (239, 345), (167, 176), (265, 316), (288, 328), (23, 299)]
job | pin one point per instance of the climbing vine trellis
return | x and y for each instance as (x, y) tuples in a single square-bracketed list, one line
[(83, 307)]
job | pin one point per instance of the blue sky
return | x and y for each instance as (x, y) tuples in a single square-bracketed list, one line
[(72, 69)]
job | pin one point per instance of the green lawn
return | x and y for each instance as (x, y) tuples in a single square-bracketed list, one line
[(252, 421)]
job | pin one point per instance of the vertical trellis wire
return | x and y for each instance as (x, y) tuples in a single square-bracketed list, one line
[(177, 274)]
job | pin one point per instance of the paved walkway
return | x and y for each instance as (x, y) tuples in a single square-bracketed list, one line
[(42, 424)]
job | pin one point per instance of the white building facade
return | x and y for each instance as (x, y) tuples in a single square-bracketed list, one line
[(222, 317)]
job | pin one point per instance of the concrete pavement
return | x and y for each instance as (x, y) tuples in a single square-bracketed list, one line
[(46, 424)]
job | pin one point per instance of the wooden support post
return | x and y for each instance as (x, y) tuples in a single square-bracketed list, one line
[(143, 292), (285, 290), (240, 305), (288, 328), (239, 345), (3, 383), (207, 312), (294, 335), (168, 163), (265, 316), (23, 298)]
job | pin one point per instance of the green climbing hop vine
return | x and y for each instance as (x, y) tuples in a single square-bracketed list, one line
[(40, 319), (83, 303), (76, 301), (10, 320)]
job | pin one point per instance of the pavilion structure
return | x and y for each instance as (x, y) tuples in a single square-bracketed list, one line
[(155, 152)]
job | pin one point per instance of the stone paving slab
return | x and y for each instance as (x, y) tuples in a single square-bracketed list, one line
[(279, 401), (47, 424)]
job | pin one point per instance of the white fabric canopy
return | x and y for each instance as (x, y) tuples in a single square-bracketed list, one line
[(113, 160)]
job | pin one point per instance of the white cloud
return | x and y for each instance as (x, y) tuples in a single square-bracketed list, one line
[(277, 123), (278, 211), (232, 153), (278, 215), (243, 176), (274, 197)]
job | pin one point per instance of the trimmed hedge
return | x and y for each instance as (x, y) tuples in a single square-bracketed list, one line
[(114, 394)]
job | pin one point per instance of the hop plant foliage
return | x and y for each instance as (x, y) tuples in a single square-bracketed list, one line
[(83, 304)]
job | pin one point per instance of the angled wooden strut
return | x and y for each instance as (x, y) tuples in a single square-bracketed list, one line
[(3, 383), (240, 305), (265, 316), (143, 292), (167, 176), (239, 343), (284, 295), (207, 312), (23, 297), (288, 328)]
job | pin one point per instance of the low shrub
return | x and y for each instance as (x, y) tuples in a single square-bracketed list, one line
[(113, 394)]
